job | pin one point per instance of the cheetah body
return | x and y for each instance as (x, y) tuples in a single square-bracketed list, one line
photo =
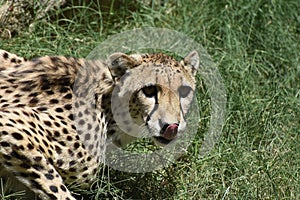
[(56, 117)]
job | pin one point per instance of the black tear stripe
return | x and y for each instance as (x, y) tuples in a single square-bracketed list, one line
[(155, 105), (152, 111)]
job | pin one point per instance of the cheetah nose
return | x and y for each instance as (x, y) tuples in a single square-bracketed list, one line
[(169, 131)]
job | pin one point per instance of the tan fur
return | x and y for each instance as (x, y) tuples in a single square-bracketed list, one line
[(56, 113)]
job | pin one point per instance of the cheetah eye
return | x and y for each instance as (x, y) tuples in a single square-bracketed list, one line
[(184, 91), (150, 91)]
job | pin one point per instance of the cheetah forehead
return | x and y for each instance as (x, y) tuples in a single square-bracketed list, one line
[(164, 66), (156, 58)]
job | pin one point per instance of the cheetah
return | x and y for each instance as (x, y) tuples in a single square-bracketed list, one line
[(56, 117)]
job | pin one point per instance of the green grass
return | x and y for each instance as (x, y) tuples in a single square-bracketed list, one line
[(256, 47)]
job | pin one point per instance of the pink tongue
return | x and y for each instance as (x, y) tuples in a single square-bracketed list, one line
[(170, 132)]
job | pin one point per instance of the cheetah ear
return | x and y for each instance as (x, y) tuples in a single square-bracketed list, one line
[(120, 63), (192, 62)]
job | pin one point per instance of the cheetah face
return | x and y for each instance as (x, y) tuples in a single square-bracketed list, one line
[(160, 91), (163, 110)]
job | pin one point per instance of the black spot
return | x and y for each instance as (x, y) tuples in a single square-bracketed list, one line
[(62, 143), (59, 110), (71, 117), (87, 136), (17, 136), (3, 87), (34, 175), (89, 126), (4, 144), (57, 124), (13, 121), (49, 92), (95, 171), (5, 105), (59, 117), (65, 131), (96, 137), (5, 55), (42, 149), (63, 188), (42, 108), (53, 188), (4, 132), (54, 101), (48, 123), (25, 166), (81, 122), (34, 94), (69, 138), (33, 101), (59, 162), (63, 122), (76, 145), (8, 91), (91, 147), (64, 89), (68, 96), (50, 152), (36, 185), (85, 169), (73, 169), (68, 106), (10, 125), (46, 85), (51, 161), (73, 162), (30, 146), (20, 121), (56, 134), (20, 147), (37, 158), (86, 111), (58, 149), (71, 153), (79, 155), (97, 128), (45, 143), (32, 124), (76, 105), (49, 176), (27, 88)]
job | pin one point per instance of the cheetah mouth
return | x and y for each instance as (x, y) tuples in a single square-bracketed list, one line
[(168, 133)]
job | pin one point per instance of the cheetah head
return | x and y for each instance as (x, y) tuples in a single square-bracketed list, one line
[(153, 94)]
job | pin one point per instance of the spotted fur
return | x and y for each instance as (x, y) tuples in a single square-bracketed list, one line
[(56, 113)]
